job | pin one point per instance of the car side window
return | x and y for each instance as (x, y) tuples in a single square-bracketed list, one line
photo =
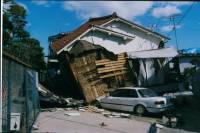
[(133, 94), (128, 93), (116, 93)]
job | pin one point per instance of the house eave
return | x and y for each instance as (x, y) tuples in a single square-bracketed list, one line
[(95, 27), (112, 32), (133, 25)]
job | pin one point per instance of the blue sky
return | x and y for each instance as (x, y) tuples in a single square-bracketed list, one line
[(46, 18)]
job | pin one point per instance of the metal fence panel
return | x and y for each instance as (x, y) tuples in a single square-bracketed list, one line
[(5, 120), (20, 95)]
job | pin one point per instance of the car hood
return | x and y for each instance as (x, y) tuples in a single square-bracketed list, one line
[(158, 99)]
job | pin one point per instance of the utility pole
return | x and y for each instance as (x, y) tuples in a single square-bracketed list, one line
[(172, 18)]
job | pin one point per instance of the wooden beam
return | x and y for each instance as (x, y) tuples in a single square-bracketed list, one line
[(121, 58), (115, 64), (100, 61), (109, 62), (112, 74), (110, 70)]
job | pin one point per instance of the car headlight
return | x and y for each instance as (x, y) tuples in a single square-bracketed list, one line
[(159, 102)]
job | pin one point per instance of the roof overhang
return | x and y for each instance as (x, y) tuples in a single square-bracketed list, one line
[(111, 32), (154, 53), (97, 28), (133, 25), (67, 47)]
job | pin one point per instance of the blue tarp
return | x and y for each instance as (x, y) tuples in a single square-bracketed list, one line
[(191, 51)]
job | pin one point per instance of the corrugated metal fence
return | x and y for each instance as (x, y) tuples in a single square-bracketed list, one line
[(19, 95)]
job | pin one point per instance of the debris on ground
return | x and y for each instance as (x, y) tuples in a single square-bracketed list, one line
[(125, 115), (72, 114), (102, 124), (49, 110), (152, 128), (94, 109), (159, 126), (104, 112), (35, 127), (73, 102), (81, 109), (116, 115), (170, 120), (50, 100)]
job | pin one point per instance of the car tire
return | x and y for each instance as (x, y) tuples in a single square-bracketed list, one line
[(98, 104), (140, 110)]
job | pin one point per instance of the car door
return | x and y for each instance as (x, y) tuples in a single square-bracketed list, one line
[(112, 101), (128, 100)]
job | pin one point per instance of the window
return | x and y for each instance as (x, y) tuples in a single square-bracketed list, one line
[(147, 93), (128, 93), (116, 93), (133, 94)]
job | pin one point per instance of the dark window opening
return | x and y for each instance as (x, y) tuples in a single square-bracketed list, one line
[(127, 93)]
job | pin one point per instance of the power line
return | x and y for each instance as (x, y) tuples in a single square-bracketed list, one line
[(183, 16), (187, 11)]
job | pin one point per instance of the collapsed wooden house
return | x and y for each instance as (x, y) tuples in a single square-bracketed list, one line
[(96, 54), (95, 69)]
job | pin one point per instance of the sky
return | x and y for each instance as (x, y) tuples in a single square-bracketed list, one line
[(47, 18)]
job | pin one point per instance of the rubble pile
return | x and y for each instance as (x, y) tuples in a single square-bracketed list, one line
[(50, 100)]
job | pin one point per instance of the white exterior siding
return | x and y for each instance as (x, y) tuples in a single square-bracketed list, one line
[(142, 40)]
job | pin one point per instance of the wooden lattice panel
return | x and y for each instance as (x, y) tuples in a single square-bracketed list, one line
[(107, 68)]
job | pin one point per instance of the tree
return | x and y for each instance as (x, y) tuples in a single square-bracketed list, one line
[(7, 24), (16, 40), (18, 14)]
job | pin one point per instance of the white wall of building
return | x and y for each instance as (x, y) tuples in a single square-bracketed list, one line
[(142, 40), (185, 63)]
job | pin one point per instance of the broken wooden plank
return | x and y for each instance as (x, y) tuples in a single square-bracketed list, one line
[(111, 70), (110, 62), (113, 74), (115, 64), (121, 58), (103, 60)]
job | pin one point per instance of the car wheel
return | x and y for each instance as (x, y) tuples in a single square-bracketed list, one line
[(140, 110), (97, 104)]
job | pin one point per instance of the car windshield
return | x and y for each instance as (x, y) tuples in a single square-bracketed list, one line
[(147, 93)]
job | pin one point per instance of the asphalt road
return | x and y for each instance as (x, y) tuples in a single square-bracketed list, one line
[(87, 122)]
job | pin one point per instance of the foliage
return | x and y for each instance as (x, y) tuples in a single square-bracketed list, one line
[(189, 72), (195, 62), (16, 40)]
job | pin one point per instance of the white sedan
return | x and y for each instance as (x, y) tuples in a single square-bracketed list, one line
[(135, 99)]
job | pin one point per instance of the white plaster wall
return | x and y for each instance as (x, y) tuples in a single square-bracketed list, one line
[(142, 40), (185, 63), (149, 77)]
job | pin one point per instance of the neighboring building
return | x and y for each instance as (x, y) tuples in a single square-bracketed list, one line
[(190, 69), (116, 35), (189, 58)]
